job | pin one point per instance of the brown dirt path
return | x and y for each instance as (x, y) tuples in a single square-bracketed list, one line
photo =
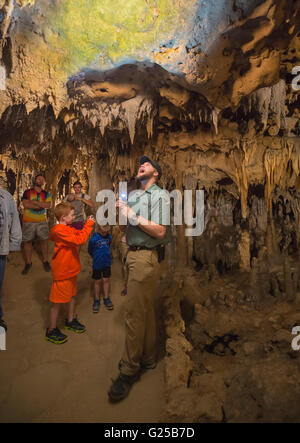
[(43, 382)]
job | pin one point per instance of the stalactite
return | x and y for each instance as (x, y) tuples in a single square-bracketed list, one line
[(148, 112), (276, 163), (112, 160), (277, 103), (244, 249), (269, 102), (295, 157), (131, 108), (260, 100), (6, 9), (288, 283), (84, 112), (215, 116), (103, 124), (240, 158)]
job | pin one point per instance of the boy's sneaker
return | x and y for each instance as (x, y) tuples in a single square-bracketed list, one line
[(96, 306), (148, 365), (55, 336), (108, 304), (121, 387), (75, 326)]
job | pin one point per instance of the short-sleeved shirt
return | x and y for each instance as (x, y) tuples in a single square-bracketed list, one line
[(99, 249), (152, 204), (79, 207), (35, 215)]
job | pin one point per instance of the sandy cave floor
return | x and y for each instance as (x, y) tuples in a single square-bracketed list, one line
[(43, 382)]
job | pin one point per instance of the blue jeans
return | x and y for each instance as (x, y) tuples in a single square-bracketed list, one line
[(2, 272)]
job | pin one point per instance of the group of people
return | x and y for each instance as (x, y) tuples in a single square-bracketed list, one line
[(34, 226), (34, 221), (141, 240)]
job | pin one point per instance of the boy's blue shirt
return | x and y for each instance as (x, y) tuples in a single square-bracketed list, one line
[(99, 249)]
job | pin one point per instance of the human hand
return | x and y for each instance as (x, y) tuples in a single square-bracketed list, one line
[(123, 207), (119, 202), (71, 197), (77, 197), (91, 217)]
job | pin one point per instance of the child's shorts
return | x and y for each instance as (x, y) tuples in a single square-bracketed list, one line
[(62, 291), (99, 273)]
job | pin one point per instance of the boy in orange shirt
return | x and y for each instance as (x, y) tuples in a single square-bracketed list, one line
[(65, 267)]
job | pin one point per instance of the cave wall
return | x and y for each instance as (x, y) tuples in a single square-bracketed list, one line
[(246, 159), (216, 105)]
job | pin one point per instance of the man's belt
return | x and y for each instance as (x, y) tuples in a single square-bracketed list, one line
[(160, 249), (139, 248)]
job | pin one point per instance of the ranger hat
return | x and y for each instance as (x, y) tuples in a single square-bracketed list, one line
[(155, 165)]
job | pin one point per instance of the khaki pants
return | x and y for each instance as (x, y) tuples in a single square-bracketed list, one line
[(140, 322)]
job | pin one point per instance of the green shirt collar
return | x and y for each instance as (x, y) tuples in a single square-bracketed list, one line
[(152, 188)]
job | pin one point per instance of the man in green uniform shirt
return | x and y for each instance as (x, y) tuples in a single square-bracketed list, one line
[(148, 215)]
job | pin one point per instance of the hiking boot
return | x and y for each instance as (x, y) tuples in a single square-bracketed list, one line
[(96, 306), (26, 268), (55, 336), (148, 365), (3, 324), (47, 267), (121, 387), (144, 366), (75, 326), (108, 304)]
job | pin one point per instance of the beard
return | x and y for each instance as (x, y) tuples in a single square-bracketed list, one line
[(144, 176)]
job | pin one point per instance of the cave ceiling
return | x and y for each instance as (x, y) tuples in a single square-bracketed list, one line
[(219, 49), (211, 77)]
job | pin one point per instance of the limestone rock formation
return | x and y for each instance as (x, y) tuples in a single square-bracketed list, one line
[(211, 91)]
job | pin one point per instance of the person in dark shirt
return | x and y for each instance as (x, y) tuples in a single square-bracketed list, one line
[(99, 249)]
